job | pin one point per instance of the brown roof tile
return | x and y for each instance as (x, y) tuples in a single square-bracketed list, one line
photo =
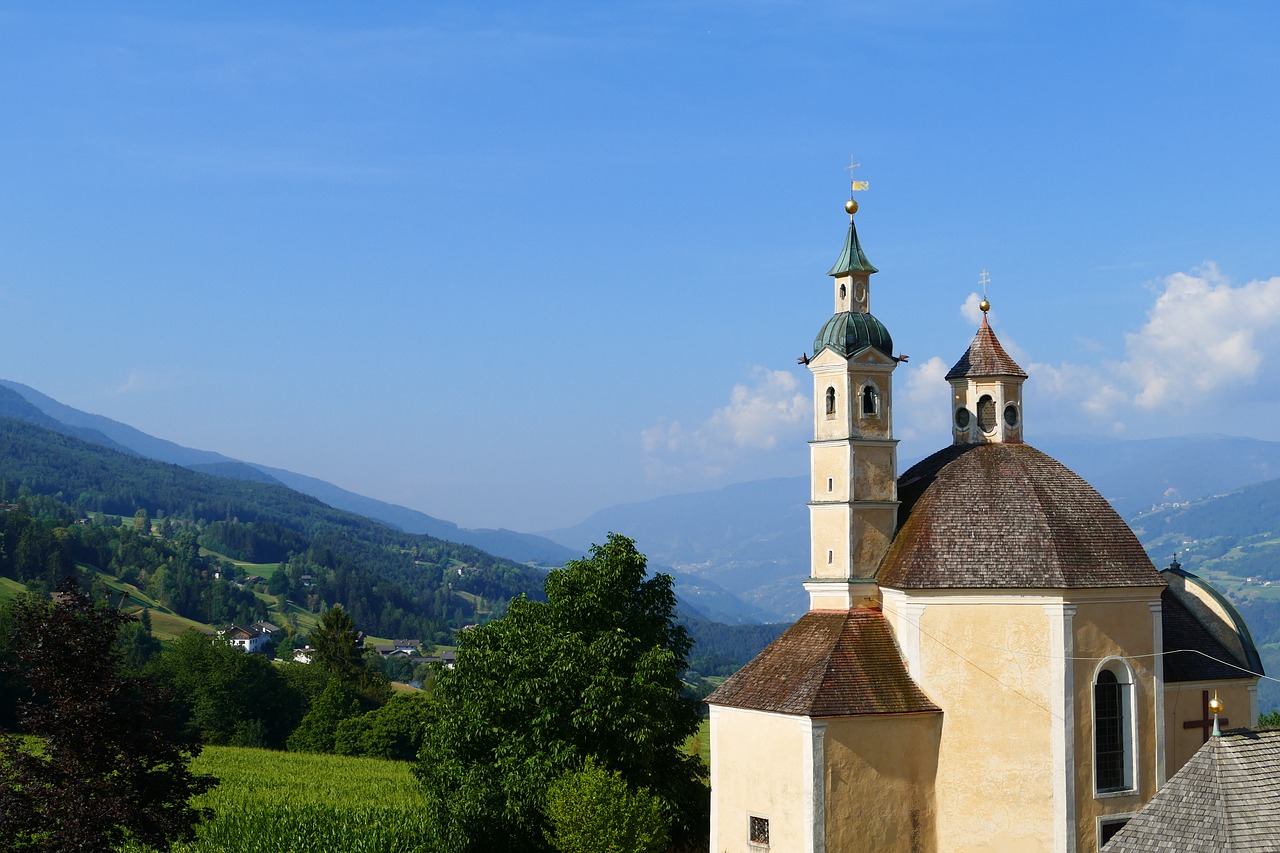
[(985, 357), (1006, 516), (828, 664), (1224, 799)]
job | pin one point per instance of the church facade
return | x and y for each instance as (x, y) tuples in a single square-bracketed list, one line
[(990, 661)]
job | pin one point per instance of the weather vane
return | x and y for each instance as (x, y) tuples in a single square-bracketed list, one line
[(854, 186)]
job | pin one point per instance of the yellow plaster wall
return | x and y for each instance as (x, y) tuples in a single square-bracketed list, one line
[(987, 666), (830, 526), (880, 773), (831, 462), (874, 477), (1100, 630), (873, 529), (1184, 702), (760, 770)]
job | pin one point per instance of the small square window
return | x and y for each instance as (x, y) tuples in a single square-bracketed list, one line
[(1107, 830), (759, 830)]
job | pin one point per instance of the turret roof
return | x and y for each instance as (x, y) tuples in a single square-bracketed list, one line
[(985, 357), (851, 257)]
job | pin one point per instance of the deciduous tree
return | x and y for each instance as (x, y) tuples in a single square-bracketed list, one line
[(592, 673), (107, 762)]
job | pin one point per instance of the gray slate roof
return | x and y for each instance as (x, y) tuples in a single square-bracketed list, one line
[(1006, 516), (1226, 798), (1183, 632), (830, 663)]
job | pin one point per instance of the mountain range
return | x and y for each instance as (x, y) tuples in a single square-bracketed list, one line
[(738, 553), (47, 412)]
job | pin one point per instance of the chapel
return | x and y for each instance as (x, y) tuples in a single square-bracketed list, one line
[(990, 660)]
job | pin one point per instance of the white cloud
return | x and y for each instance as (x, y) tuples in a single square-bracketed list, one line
[(760, 414), (921, 410), (1201, 335), (970, 310), (1203, 339)]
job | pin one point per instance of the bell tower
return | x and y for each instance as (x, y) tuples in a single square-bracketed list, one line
[(986, 390), (853, 501)]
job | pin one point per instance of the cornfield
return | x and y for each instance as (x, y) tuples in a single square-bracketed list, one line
[(281, 802)]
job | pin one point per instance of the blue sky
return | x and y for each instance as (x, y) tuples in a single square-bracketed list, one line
[(511, 263)]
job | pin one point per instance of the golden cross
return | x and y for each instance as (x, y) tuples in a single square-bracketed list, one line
[(854, 185)]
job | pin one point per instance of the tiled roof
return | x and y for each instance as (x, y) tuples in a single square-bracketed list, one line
[(985, 357), (1006, 516), (1183, 631), (1224, 799), (828, 664)]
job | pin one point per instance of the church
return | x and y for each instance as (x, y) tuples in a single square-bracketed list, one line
[(990, 660)]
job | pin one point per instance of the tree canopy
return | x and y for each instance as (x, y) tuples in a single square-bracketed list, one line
[(107, 762), (592, 673)]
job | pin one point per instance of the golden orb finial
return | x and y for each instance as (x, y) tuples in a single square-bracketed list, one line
[(1215, 704), (985, 306), (851, 207)]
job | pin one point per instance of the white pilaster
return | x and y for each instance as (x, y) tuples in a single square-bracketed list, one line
[(815, 810), (1157, 631), (1063, 746), (713, 719)]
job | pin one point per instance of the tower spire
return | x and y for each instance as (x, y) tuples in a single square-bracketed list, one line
[(853, 506)]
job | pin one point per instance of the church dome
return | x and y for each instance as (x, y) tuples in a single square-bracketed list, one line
[(849, 333), (1006, 516)]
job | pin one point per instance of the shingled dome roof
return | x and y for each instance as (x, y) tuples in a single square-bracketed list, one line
[(849, 333), (1006, 516)]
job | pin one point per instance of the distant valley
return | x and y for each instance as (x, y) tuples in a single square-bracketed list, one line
[(739, 553)]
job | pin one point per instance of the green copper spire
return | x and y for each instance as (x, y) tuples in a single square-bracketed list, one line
[(851, 257)]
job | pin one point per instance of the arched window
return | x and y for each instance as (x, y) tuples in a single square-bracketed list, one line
[(986, 413), (843, 292), (1113, 728), (831, 402), (870, 400)]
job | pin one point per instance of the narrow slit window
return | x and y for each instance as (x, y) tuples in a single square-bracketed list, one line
[(831, 557), (831, 484)]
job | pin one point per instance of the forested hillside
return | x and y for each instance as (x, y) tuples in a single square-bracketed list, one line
[(394, 584), (1233, 540)]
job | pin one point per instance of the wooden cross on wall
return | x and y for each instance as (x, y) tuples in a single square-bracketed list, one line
[(1207, 723)]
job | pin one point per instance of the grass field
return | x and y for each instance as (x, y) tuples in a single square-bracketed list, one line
[(10, 589), (287, 802)]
